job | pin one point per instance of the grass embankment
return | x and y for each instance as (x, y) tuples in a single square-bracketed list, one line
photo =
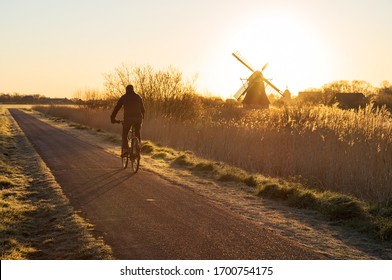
[(304, 129), (373, 220), (37, 221)]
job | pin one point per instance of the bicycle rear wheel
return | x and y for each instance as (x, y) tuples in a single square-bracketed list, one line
[(135, 155), (124, 161)]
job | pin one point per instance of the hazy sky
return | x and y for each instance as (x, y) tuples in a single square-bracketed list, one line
[(55, 48)]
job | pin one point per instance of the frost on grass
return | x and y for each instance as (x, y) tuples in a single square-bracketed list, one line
[(37, 221)]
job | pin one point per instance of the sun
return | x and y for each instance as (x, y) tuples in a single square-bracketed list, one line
[(294, 52)]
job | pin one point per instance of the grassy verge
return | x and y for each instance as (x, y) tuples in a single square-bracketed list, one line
[(374, 220), (37, 221)]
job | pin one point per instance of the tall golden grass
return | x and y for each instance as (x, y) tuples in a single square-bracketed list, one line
[(328, 148)]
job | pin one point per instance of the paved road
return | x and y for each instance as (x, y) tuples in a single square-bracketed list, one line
[(143, 216)]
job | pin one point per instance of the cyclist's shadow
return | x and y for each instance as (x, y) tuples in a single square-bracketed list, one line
[(103, 183)]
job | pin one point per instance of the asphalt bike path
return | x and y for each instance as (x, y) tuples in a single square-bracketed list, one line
[(144, 216)]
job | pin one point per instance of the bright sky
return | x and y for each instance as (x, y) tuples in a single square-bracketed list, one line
[(55, 48)]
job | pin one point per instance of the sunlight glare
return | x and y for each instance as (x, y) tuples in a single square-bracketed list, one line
[(295, 54)]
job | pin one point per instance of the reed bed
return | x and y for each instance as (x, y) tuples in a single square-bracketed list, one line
[(327, 148)]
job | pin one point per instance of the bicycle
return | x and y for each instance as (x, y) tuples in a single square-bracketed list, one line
[(133, 153)]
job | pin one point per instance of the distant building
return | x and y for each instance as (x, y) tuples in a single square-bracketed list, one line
[(286, 94), (353, 100)]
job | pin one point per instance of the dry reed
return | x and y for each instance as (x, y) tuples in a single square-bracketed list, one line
[(331, 149)]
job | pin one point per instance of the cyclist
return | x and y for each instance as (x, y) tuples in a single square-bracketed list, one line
[(133, 115)]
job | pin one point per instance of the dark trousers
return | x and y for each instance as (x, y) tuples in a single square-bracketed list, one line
[(126, 128)]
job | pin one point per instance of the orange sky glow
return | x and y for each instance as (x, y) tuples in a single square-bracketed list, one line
[(56, 48)]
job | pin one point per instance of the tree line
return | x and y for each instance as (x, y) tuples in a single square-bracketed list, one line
[(378, 96), (16, 98), (166, 92)]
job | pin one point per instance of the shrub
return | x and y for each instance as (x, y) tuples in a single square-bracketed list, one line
[(302, 198), (251, 181), (147, 148), (271, 190), (204, 166), (385, 228), (340, 207), (183, 160)]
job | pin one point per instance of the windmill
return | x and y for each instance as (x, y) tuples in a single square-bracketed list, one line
[(256, 87)]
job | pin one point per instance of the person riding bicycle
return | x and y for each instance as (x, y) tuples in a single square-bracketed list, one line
[(133, 115)]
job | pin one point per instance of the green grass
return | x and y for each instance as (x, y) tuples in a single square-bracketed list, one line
[(148, 148), (6, 183), (204, 166), (160, 155), (78, 126), (347, 210), (340, 207), (333, 205), (384, 228), (251, 181), (184, 160)]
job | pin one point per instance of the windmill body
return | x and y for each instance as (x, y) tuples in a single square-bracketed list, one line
[(255, 94), (254, 90)]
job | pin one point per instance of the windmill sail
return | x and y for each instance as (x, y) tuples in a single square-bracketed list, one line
[(241, 90), (241, 59), (270, 88)]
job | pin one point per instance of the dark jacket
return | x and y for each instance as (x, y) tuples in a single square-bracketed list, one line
[(133, 107)]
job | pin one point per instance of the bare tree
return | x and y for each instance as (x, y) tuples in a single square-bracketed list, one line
[(149, 83), (345, 86), (337, 87), (116, 81), (163, 91), (385, 88), (142, 81), (362, 87)]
